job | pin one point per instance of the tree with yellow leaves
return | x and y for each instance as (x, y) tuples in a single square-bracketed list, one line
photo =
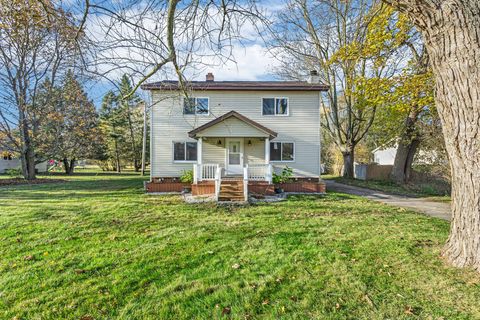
[(353, 45)]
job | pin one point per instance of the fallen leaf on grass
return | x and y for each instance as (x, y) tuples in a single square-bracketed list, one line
[(87, 317), (28, 258), (409, 310), (265, 302), (369, 301), (236, 266), (226, 310), (80, 271)]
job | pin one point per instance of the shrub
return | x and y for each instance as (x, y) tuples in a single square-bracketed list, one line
[(187, 176), (14, 172), (284, 176)]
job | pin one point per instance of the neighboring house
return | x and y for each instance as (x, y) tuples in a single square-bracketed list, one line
[(240, 131), (9, 161), (384, 156)]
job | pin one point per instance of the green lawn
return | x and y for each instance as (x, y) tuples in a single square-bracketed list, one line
[(412, 189), (97, 247)]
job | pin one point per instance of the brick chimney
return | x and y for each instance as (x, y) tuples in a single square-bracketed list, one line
[(313, 78), (209, 77)]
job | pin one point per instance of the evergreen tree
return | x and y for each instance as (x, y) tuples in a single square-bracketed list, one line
[(122, 126), (69, 128), (132, 112)]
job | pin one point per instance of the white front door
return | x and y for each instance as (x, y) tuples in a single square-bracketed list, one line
[(234, 163)]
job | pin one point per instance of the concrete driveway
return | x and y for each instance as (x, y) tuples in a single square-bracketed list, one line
[(432, 208)]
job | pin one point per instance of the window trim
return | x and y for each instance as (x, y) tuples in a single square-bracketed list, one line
[(196, 114), (185, 150), (281, 151), (275, 114)]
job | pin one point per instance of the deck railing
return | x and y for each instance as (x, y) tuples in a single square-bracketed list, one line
[(204, 171), (260, 172)]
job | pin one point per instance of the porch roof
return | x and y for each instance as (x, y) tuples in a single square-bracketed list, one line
[(232, 124)]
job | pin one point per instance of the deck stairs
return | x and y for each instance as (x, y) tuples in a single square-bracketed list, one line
[(231, 189)]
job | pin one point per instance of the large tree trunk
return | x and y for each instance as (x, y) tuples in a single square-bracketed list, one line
[(348, 159), (27, 152), (72, 166), (402, 166), (451, 30), (66, 165), (406, 148)]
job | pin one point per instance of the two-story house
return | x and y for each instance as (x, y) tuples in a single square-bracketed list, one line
[(235, 133)]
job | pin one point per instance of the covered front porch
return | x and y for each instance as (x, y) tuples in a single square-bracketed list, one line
[(232, 148), (229, 158)]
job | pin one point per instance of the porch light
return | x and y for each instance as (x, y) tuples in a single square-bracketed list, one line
[(219, 142), (249, 142)]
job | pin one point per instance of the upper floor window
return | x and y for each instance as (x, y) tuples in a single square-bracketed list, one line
[(197, 106), (184, 151), (275, 106)]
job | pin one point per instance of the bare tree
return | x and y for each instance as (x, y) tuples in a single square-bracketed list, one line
[(330, 36), (451, 32), (149, 39), (36, 38)]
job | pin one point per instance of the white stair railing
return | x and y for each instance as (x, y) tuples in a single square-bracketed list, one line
[(204, 171), (218, 181), (245, 182), (208, 171)]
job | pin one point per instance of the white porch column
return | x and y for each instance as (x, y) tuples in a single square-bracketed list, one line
[(199, 150), (268, 171), (267, 150), (195, 173)]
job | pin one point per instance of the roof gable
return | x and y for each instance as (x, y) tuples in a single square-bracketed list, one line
[(232, 124)]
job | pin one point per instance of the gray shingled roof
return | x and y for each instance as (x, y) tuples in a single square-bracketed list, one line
[(238, 85)]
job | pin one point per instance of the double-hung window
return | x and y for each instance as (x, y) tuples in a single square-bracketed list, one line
[(185, 151), (282, 151), (275, 106), (196, 106)]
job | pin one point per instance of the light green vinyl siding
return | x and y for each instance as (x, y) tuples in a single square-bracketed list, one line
[(301, 126)]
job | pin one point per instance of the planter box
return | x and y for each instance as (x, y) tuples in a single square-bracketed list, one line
[(261, 187), (165, 185), (303, 186)]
